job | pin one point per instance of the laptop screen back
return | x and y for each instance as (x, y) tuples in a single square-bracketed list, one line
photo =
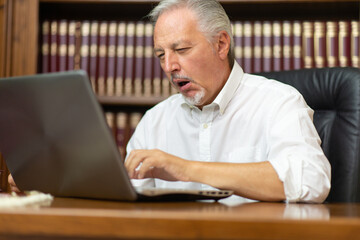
[(55, 139)]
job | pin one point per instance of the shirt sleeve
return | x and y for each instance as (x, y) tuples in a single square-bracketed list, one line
[(295, 151)]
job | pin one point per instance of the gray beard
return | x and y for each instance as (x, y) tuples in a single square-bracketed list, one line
[(196, 100)]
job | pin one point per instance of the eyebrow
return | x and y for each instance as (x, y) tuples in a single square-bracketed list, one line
[(173, 45)]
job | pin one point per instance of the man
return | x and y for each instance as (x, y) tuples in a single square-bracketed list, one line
[(225, 129)]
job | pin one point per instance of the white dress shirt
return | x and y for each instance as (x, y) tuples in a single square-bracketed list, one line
[(253, 119)]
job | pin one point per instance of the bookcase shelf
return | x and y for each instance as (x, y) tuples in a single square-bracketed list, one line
[(130, 101), (21, 23)]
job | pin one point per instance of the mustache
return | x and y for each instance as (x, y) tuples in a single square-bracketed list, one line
[(177, 76)]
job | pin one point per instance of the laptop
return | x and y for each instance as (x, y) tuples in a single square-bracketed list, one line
[(55, 139)]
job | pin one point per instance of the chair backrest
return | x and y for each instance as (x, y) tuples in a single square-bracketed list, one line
[(334, 95)]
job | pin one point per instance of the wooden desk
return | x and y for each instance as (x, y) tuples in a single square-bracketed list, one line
[(89, 219)]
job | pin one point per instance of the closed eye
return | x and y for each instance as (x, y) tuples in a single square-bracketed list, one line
[(161, 55), (182, 49)]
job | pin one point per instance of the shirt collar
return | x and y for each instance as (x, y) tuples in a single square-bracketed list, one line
[(227, 92)]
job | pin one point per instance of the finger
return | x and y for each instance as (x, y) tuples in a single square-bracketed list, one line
[(146, 168), (12, 184), (134, 160)]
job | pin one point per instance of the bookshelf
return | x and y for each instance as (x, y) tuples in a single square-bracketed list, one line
[(21, 22)]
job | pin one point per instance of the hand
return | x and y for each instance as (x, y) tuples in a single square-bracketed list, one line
[(12, 184), (156, 164)]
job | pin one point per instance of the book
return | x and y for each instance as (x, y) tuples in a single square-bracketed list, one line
[(129, 58), (102, 53), (77, 45), (344, 43), (286, 45), (355, 50), (297, 45), (111, 57), (110, 119), (85, 46), (54, 46), (148, 59), (319, 44), (120, 59), (332, 44), (93, 64), (45, 48), (308, 44), (157, 77), (276, 46), (71, 45), (135, 118), (139, 58), (267, 46), (165, 84), (248, 47), (62, 51), (257, 49), (238, 42), (121, 127)]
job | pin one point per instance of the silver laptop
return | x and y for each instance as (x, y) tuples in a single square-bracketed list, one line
[(55, 139)]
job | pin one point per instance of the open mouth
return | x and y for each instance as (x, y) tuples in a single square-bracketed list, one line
[(182, 83)]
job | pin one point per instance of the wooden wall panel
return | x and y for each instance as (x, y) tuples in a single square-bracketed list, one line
[(24, 35)]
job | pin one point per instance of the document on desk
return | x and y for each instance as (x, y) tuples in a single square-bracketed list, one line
[(32, 199)]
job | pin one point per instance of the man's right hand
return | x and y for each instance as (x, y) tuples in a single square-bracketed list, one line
[(12, 184)]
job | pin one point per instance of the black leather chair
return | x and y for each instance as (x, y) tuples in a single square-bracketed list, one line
[(334, 95)]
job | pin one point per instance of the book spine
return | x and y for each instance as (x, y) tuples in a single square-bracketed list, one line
[(135, 118), (45, 48), (148, 61), (344, 43), (85, 46), (94, 32), (120, 59), (54, 46), (129, 58), (238, 42), (157, 77), (308, 44), (277, 46), (71, 45), (332, 44), (121, 126), (102, 58), (165, 84), (297, 45), (77, 57), (286, 45), (111, 56), (248, 47), (62, 44), (257, 51), (267, 46), (139, 58), (355, 50), (110, 119), (319, 44)]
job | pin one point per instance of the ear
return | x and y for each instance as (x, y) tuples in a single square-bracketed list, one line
[(223, 44)]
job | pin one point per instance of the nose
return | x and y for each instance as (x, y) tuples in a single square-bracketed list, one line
[(170, 63)]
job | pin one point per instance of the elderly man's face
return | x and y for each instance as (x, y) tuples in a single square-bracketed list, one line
[(191, 62)]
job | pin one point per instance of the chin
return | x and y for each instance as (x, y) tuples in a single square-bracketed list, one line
[(196, 100)]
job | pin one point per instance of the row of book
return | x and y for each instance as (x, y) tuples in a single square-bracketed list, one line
[(119, 59), (122, 126)]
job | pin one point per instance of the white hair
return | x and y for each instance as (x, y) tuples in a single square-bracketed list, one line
[(211, 17)]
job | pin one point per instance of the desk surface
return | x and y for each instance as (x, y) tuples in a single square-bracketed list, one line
[(91, 219)]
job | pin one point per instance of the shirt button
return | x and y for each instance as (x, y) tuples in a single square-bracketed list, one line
[(205, 126)]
